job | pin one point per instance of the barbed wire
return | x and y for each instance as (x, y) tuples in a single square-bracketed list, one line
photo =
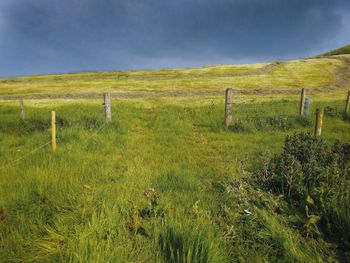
[(99, 129), (42, 146), (24, 156), (246, 112)]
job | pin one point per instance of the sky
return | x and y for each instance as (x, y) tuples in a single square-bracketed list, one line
[(58, 36)]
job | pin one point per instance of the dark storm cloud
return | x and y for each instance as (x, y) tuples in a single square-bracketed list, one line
[(41, 36)]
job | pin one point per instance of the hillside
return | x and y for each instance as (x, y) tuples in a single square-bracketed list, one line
[(166, 181), (340, 51), (319, 75)]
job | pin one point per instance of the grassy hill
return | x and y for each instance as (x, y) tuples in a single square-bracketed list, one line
[(318, 75), (166, 180), (340, 51)]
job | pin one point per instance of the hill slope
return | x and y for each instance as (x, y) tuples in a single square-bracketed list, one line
[(339, 51), (318, 75), (166, 180)]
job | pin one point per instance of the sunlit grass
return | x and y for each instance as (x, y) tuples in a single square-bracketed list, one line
[(318, 73), (164, 182)]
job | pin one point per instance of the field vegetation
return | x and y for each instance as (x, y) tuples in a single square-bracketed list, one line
[(166, 181), (326, 74), (339, 51)]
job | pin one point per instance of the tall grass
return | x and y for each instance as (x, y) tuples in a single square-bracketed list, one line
[(152, 186)]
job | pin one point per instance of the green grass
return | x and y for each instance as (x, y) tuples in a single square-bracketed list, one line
[(318, 75), (164, 182), (339, 51)]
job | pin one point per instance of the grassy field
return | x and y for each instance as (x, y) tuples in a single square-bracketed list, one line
[(166, 181), (318, 75)]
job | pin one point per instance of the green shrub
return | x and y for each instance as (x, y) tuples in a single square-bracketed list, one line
[(315, 178), (300, 168), (287, 176)]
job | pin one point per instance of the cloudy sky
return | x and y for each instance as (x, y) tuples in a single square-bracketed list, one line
[(54, 36)]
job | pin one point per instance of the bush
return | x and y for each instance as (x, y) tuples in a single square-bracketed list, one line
[(288, 176), (310, 174), (300, 168), (312, 154)]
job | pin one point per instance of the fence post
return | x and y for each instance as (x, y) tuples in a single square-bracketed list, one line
[(53, 131), (228, 107), (302, 102), (307, 106), (23, 112), (107, 105), (319, 122), (347, 104)]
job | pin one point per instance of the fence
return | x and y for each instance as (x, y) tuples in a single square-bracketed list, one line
[(231, 121)]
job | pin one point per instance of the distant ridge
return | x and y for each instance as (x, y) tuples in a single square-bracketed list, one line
[(339, 51)]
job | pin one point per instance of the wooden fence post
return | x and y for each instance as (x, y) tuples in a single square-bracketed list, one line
[(319, 122), (53, 131), (107, 105), (302, 102), (347, 104), (23, 112), (228, 107)]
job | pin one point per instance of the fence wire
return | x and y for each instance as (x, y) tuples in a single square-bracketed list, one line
[(275, 115), (28, 126), (24, 156)]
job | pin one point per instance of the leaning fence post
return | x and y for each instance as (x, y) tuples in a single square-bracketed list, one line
[(302, 102), (107, 105), (228, 107), (347, 104), (23, 112), (307, 106), (319, 122), (53, 131)]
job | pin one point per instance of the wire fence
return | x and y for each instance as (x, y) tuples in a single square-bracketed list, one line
[(42, 125), (24, 156), (269, 115)]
